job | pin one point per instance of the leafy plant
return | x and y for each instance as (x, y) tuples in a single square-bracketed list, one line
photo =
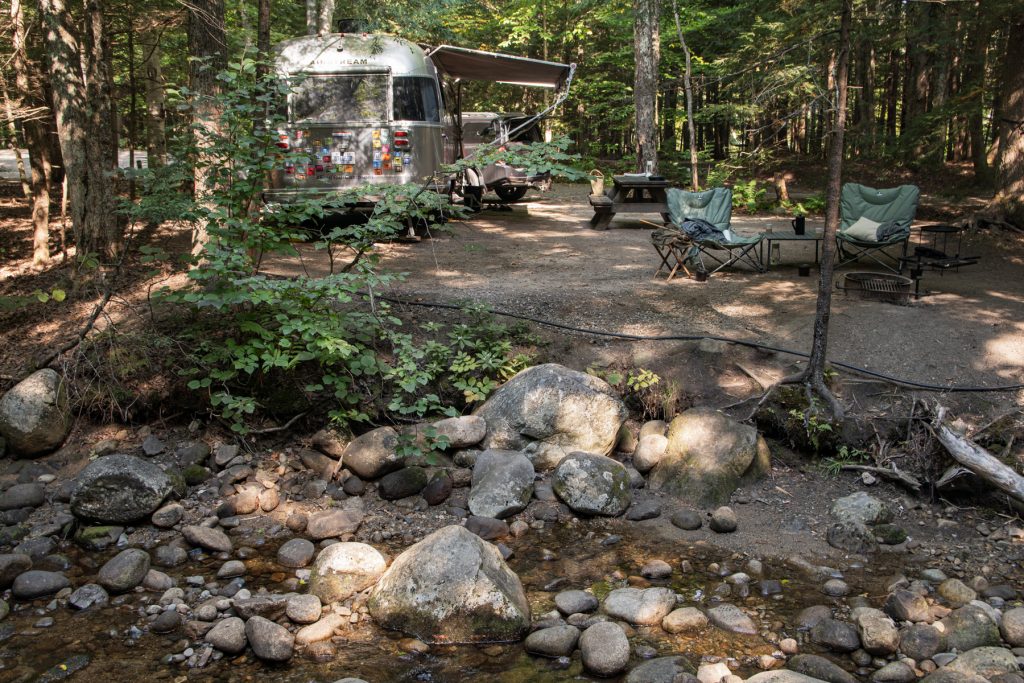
[(845, 455), (644, 390), (817, 429)]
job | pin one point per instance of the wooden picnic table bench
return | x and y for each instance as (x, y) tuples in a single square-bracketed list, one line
[(629, 194)]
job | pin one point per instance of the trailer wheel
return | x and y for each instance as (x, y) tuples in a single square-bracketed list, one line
[(509, 193)]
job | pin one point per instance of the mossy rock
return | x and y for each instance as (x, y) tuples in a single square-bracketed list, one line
[(195, 475), (889, 534), (97, 537), (179, 486)]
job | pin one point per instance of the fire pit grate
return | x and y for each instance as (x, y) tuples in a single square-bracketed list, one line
[(894, 289)]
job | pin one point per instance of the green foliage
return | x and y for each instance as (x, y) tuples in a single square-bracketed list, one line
[(818, 431), (535, 158), (812, 205), (425, 443), (750, 196), (643, 390), (845, 455)]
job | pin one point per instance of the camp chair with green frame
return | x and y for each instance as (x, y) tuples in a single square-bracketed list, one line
[(715, 207), (871, 220)]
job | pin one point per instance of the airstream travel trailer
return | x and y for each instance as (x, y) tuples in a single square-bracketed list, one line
[(367, 109)]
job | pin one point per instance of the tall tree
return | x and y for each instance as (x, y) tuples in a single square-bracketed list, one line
[(207, 45), (687, 85), (84, 127), (319, 16), (153, 88), (1009, 198), (646, 52)]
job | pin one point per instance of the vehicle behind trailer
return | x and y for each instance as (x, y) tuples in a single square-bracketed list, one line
[(505, 131), (369, 109)]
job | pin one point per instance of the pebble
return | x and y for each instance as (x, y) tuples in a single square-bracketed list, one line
[(656, 569), (835, 588), (296, 553), (684, 619), (604, 649), (228, 635), (689, 520), (269, 641), (575, 602), (231, 569), (723, 520), (303, 609), (556, 641)]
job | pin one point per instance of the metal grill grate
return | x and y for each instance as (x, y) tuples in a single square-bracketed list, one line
[(894, 289)]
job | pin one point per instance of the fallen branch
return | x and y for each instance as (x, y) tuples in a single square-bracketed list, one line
[(891, 474), (977, 459), (280, 428)]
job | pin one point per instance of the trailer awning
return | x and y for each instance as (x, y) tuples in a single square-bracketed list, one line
[(478, 65)]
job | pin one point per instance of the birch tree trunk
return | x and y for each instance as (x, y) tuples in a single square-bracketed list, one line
[(312, 17), (687, 85), (325, 17), (646, 51), (207, 45)]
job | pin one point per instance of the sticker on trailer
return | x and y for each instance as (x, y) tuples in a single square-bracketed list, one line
[(348, 158), (336, 158)]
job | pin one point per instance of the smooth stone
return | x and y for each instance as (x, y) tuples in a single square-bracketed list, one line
[(208, 538), (11, 565), (672, 669), (168, 515), (723, 520), (269, 641), (229, 636), (647, 509), (320, 630), (36, 583), (296, 553), (502, 484), (303, 609), (604, 649), (920, 641), (640, 606), (689, 520), (819, 668), (557, 641), (124, 571), (22, 496), (837, 636), (119, 489), (575, 602), (731, 618), (231, 569), (88, 595), (333, 523), (684, 619), (343, 569)]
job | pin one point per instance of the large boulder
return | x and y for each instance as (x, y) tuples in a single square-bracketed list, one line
[(708, 456), (35, 416), (549, 411), (502, 484), (119, 489), (592, 484), (373, 454), (452, 587), (343, 569)]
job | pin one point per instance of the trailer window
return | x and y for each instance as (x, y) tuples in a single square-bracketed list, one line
[(357, 97), (415, 99)]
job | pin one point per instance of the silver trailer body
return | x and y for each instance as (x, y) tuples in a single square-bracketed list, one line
[(368, 109)]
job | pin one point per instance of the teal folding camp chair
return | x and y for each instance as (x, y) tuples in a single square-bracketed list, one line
[(872, 220), (677, 248)]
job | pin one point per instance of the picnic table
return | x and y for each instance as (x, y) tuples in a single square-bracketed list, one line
[(629, 194)]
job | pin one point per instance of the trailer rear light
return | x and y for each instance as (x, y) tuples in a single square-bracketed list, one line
[(401, 138)]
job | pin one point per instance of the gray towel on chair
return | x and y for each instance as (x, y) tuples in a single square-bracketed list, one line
[(890, 230), (700, 229)]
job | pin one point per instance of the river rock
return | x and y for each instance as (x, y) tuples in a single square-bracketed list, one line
[(555, 411), (168, 515), (592, 484), (690, 520), (861, 507), (124, 571), (35, 415), (836, 635), (731, 618), (708, 456), (894, 672), (723, 520), (904, 605), (296, 553), (119, 489), (649, 452), (604, 649), (464, 431), (210, 539), (333, 523), (684, 619), (986, 662), (228, 636), (451, 587), (88, 595), (438, 489), (269, 641), (36, 583), (303, 609), (22, 496), (956, 592), (402, 483), (920, 641), (343, 569), (878, 634), (783, 676), (320, 630), (644, 509), (673, 669), (643, 606), (502, 484), (852, 536), (947, 676), (575, 602), (969, 627), (1011, 627), (231, 569), (373, 454), (487, 528), (11, 565), (557, 641), (819, 668)]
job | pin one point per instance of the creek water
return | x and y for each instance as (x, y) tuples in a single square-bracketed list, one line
[(100, 644)]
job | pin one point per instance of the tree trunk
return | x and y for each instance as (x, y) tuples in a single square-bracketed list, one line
[(646, 50), (687, 85), (973, 90), (1009, 198), (263, 36), (325, 18), (207, 45), (312, 17), (90, 194), (12, 138), (153, 87), (816, 365), (919, 39)]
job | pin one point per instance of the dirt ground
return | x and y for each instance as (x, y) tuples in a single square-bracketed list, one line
[(542, 260)]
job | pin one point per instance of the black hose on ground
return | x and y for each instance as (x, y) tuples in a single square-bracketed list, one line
[(924, 386)]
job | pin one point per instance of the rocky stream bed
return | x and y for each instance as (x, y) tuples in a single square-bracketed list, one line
[(546, 543)]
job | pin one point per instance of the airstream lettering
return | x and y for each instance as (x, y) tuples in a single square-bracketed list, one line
[(367, 109)]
